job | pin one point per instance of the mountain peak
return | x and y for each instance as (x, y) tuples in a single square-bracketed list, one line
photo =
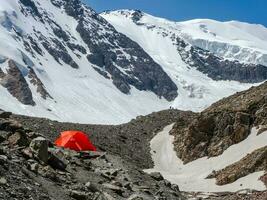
[(135, 15)]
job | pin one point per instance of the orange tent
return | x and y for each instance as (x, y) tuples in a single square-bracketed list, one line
[(75, 140)]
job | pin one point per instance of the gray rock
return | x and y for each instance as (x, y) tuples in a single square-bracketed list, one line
[(3, 159), (108, 196), (18, 138), (56, 162), (92, 154), (33, 167), (140, 197), (79, 195), (3, 136), (3, 181), (113, 187), (39, 146), (4, 114), (175, 188), (157, 176), (92, 187)]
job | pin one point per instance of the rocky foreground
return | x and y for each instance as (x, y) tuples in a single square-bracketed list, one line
[(31, 167)]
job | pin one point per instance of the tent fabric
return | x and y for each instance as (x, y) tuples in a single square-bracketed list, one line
[(75, 140)]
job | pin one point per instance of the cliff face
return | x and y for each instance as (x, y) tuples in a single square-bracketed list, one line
[(15, 83), (222, 125)]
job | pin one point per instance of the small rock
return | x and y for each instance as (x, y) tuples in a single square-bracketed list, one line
[(39, 147), (48, 172), (91, 154), (175, 188), (19, 139), (27, 153), (92, 187), (128, 186), (112, 172), (157, 176), (56, 162), (3, 159), (78, 195), (115, 188), (107, 196), (3, 181), (3, 136), (34, 167)]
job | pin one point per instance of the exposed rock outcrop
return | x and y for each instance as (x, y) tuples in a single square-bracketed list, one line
[(253, 162), (16, 84), (218, 68), (225, 123), (38, 83)]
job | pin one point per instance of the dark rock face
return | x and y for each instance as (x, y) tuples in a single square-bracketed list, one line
[(38, 83), (34, 45), (59, 52), (137, 15), (77, 47), (30, 7), (219, 69), (126, 62), (16, 84)]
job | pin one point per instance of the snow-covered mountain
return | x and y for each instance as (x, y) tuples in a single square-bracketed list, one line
[(60, 59), (192, 67), (232, 40)]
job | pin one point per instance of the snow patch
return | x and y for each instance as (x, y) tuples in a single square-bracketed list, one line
[(192, 176)]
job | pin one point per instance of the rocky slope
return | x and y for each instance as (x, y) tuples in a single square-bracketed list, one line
[(31, 167), (113, 173), (135, 134)]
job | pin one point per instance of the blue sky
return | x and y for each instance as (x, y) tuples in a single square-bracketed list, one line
[(253, 11)]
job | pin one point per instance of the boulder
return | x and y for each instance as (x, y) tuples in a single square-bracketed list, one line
[(78, 195), (56, 163), (92, 187), (39, 147)]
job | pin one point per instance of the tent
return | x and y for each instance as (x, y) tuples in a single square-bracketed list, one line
[(75, 140)]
